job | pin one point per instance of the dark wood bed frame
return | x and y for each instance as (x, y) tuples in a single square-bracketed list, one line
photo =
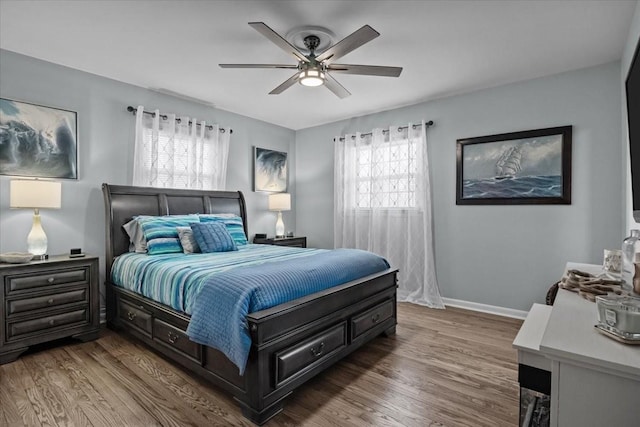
[(291, 342)]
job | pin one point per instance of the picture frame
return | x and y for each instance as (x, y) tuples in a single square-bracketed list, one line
[(38, 141), (517, 168), (270, 170)]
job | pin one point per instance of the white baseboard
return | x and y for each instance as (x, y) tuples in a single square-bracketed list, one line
[(485, 308)]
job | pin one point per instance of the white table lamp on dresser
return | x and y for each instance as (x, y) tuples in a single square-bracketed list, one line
[(280, 202), (36, 195)]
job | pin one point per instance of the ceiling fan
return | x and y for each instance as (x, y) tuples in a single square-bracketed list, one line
[(312, 69)]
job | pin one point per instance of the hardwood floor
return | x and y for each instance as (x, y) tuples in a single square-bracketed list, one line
[(443, 368)]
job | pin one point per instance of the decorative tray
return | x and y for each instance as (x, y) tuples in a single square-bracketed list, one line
[(16, 257), (612, 334)]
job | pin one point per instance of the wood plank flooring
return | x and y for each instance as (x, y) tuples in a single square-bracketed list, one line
[(443, 368)]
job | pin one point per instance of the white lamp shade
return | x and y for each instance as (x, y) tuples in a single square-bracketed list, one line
[(280, 202), (35, 194)]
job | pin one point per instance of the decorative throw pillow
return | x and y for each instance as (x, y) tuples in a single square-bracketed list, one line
[(161, 232), (188, 242), (232, 222), (213, 237)]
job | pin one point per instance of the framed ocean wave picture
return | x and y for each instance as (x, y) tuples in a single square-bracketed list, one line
[(38, 141), (518, 168), (270, 170)]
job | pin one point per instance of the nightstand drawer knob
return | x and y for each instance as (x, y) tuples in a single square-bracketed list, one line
[(51, 322), (51, 279), (172, 338), (131, 316), (375, 318), (50, 301)]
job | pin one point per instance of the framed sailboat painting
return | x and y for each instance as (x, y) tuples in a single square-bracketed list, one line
[(518, 168)]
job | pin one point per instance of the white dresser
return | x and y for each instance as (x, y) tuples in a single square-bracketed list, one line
[(595, 380)]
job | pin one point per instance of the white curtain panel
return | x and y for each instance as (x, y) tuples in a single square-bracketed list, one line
[(382, 200), (173, 154)]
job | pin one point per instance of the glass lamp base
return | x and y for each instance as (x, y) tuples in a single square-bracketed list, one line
[(279, 226), (37, 239)]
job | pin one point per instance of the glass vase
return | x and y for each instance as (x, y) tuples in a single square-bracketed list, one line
[(630, 247)]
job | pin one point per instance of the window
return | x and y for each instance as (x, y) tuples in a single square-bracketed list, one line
[(386, 174), (178, 161), (179, 153)]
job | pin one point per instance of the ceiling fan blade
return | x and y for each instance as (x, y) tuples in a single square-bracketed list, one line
[(285, 66), (286, 85), (335, 87), (266, 31), (366, 70), (348, 44)]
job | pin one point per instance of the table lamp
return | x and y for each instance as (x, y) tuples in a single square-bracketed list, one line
[(280, 202), (37, 195)]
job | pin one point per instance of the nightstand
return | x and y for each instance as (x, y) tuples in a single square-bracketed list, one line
[(46, 300), (300, 242)]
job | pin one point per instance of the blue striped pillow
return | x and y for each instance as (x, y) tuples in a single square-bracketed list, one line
[(213, 237), (234, 225), (161, 232)]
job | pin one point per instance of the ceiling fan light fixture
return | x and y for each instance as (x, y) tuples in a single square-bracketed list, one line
[(312, 77)]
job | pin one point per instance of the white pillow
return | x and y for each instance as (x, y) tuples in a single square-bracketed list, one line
[(137, 242)]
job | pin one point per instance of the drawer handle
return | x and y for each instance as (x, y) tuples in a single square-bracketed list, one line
[(51, 322), (50, 301), (131, 316), (172, 337), (317, 351), (51, 279), (375, 318)]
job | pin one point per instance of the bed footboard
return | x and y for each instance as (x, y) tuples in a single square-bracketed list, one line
[(292, 342)]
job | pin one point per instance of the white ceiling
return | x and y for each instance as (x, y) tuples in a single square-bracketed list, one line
[(445, 47)]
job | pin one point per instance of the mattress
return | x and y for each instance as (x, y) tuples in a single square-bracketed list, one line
[(176, 279)]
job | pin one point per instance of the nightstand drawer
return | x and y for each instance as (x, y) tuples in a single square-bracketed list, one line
[(298, 242), (51, 277), (293, 242), (50, 323), (44, 301)]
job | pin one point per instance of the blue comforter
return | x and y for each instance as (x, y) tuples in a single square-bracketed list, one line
[(218, 317)]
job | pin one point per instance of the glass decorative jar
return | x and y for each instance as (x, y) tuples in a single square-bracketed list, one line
[(630, 247)]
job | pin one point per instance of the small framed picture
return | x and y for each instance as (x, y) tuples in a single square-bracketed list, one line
[(38, 141), (519, 168), (270, 170)]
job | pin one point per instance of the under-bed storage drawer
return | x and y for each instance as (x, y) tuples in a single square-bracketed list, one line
[(135, 316), (175, 338), (303, 356), (371, 318)]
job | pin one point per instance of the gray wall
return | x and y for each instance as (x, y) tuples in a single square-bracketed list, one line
[(505, 256), (498, 255), (106, 135), (627, 56)]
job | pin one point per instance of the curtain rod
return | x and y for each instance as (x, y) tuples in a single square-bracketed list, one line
[(362, 135), (164, 117)]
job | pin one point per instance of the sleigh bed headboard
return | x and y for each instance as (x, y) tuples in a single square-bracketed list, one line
[(124, 202)]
